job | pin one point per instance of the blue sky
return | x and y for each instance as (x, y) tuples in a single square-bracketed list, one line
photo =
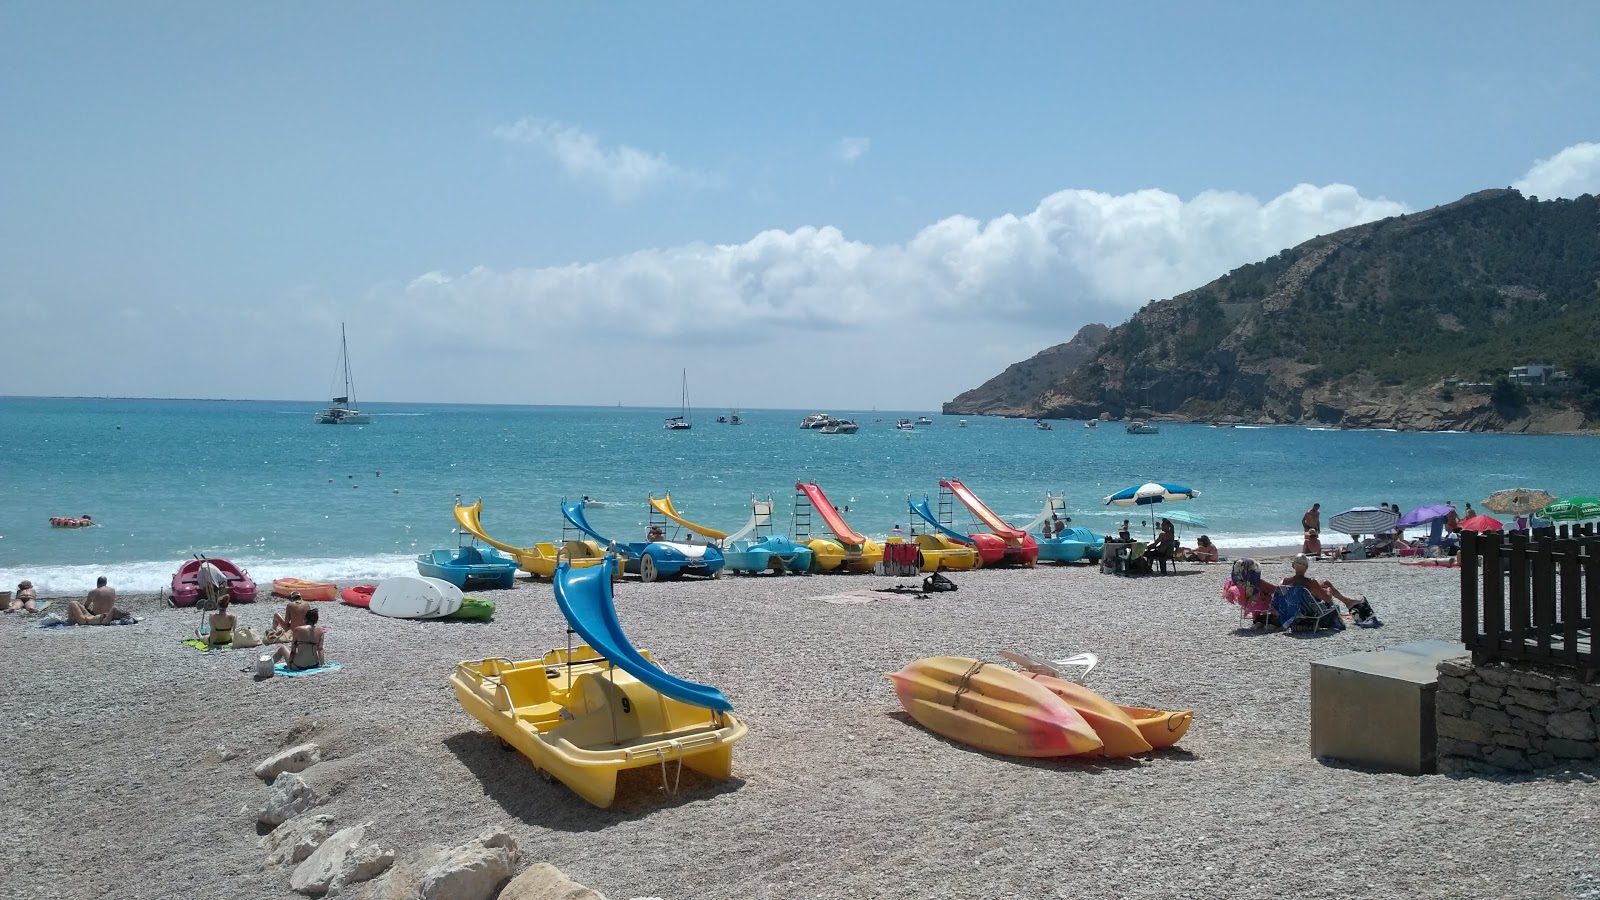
[(532, 203)]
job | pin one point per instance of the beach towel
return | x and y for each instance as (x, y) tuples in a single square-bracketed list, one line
[(869, 596), (200, 644), (284, 670)]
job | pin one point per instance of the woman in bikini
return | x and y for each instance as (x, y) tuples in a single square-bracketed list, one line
[(305, 645), (24, 599), (222, 624)]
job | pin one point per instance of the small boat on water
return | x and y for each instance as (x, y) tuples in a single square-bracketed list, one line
[(848, 426), (816, 420), (1042, 425), (680, 422), (904, 424), (722, 420), (962, 423), (1092, 423), (735, 420), (924, 420), (342, 410), (186, 582), (1139, 426)]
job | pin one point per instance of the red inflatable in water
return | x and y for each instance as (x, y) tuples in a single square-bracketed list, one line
[(70, 522), (359, 595)]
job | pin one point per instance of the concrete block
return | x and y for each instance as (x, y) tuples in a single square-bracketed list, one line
[(1377, 709)]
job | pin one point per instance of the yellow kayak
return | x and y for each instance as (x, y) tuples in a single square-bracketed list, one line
[(991, 708)]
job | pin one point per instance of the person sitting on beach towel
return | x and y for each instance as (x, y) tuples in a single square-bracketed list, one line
[(294, 616), (98, 608), (222, 624), (24, 598), (1324, 590), (305, 645), (1204, 551)]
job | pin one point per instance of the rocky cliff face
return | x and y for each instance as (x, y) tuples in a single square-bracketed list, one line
[(1361, 328), (1015, 391)]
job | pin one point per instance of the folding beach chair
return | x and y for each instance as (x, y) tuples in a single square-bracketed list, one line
[(1299, 610)]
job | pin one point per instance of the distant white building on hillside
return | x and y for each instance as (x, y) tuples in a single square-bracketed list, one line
[(1533, 373)]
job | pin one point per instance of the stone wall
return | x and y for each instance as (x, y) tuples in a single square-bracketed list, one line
[(1499, 718)]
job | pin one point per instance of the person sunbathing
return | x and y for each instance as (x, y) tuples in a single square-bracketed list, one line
[(24, 599), (222, 624), (305, 645), (294, 616), (1204, 550), (1324, 590), (98, 608)]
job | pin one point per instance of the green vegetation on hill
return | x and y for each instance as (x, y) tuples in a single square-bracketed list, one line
[(1364, 326)]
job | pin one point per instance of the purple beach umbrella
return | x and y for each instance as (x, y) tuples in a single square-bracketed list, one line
[(1422, 515)]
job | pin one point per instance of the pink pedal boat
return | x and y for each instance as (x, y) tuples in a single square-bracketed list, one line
[(186, 582)]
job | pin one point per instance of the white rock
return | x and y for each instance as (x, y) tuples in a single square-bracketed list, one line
[(545, 882), (473, 870), (294, 840), (294, 759), (222, 753), (287, 797), (341, 860)]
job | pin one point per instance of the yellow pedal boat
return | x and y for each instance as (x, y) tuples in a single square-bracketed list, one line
[(539, 559), (582, 721), (939, 552)]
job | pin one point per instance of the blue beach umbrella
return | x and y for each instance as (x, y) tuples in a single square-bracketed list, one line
[(1151, 492)]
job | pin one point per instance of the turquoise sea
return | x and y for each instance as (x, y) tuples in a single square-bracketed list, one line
[(259, 483)]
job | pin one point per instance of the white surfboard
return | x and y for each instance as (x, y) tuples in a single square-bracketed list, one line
[(405, 597), (450, 598)]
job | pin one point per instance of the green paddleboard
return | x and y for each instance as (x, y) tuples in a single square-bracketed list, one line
[(474, 609)]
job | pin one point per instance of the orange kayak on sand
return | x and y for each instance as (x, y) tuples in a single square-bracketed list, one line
[(308, 590)]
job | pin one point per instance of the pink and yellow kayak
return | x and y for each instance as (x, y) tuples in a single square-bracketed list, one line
[(991, 708)]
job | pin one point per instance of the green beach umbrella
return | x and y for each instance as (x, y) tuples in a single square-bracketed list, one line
[(1572, 509)]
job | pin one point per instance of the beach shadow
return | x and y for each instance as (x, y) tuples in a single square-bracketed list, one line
[(1060, 763), (512, 781)]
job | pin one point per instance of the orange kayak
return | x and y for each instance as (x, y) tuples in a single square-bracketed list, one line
[(308, 590), (991, 708), (1117, 730)]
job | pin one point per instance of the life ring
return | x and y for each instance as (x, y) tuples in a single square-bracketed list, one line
[(70, 521), (359, 595)]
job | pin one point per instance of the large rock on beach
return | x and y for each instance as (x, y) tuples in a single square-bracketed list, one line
[(295, 839), (287, 797), (294, 759), (545, 882), (473, 870), (343, 859), (470, 871)]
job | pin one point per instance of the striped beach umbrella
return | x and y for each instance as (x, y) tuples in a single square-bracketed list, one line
[(1364, 520)]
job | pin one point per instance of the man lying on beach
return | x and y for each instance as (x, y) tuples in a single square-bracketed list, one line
[(98, 608)]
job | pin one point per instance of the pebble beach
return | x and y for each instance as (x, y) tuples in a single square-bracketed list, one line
[(117, 784)]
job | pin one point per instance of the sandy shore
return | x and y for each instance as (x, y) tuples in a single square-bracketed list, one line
[(109, 790)]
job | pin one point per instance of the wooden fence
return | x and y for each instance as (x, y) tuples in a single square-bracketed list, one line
[(1530, 599)]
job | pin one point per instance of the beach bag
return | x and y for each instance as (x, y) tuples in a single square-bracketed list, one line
[(264, 666), (937, 582), (245, 636)]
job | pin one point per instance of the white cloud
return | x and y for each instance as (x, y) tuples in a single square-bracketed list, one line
[(1573, 172), (622, 170), (1080, 255), (849, 149)]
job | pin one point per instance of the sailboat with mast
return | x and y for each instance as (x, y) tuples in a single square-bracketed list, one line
[(342, 410), (680, 422)]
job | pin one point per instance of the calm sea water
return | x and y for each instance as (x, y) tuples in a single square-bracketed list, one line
[(262, 485)]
